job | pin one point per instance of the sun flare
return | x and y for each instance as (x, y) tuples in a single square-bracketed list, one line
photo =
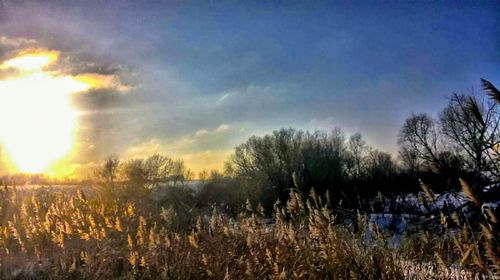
[(37, 119)]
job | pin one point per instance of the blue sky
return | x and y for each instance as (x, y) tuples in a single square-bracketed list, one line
[(208, 74)]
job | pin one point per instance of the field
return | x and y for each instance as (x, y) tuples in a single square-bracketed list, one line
[(58, 233)]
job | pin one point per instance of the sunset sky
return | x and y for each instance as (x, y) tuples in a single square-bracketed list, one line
[(191, 80)]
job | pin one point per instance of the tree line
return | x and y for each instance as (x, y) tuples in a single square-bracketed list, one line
[(461, 142)]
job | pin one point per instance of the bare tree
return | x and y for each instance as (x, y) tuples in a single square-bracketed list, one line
[(133, 170), (419, 138), (357, 147), (410, 159), (158, 168), (380, 165), (472, 126), (154, 170), (203, 175), (179, 172), (293, 159), (109, 170)]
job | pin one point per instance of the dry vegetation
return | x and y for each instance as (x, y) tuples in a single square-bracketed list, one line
[(48, 234)]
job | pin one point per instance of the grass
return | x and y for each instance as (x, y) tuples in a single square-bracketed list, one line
[(48, 234)]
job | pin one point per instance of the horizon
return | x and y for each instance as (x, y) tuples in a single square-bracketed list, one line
[(83, 81)]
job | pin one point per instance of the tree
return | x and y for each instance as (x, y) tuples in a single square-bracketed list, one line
[(203, 175), (418, 139), (410, 160), (180, 172), (133, 170), (472, 126), (273, 158), (358, 149), (158, 168), (380, 165), (467, 144), (381, 174), (324, 163), (109, 170), (154, 170), (293, 159)]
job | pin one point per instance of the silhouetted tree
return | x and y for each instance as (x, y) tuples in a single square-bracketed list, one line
[(410, 160), (158, 168), (109, 170), (419, 138), (294, 159), (471, 126), (203, 175), (134, 171), (358, 149), (152, 171)]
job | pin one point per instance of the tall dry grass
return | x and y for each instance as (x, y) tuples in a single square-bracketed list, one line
[(61, 235)]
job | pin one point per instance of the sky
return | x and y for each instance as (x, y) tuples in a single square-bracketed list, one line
[(193, 79)]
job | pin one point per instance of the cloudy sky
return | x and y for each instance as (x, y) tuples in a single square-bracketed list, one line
[(194, 79)]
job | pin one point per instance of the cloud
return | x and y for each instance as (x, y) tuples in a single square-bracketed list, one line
[(78, 67), (202, 140), (145, 149), (223, 97), (109, 81), (11, 45), (202, 132), (15, 42), (207, 160), (254, 102), (223, 127), (100, 75)]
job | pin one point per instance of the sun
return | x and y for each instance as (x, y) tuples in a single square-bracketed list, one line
[(37, 119)]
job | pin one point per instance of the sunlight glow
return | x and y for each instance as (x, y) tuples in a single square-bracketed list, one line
[(37, 119), (31, 61)]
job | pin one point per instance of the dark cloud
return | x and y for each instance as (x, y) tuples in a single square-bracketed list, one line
[(74, 65), (10, 45)]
